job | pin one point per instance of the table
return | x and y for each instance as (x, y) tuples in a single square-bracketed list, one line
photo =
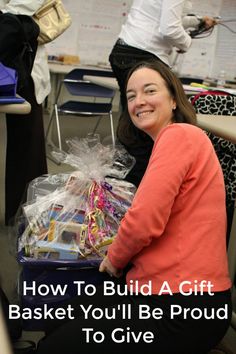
[(222, 126), (60, 68), (16, 108), (189, 90), (108, 82)]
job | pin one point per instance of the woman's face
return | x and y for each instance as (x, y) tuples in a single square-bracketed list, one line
[(150, 104)]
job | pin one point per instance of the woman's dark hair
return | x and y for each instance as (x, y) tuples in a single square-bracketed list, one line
[(184, 112)]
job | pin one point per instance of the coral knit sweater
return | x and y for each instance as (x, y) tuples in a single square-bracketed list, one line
[(175, 229)]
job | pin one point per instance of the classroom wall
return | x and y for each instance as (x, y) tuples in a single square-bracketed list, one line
[(97, 23)]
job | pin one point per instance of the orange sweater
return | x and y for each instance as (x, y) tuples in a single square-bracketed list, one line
[(175, 229)]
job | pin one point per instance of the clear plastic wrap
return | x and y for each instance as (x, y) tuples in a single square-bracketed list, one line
[(76, 216)]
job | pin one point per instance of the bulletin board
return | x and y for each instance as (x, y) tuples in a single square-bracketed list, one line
[(97, 23)]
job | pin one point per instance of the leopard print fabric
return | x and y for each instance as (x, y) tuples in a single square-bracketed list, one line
[(219, 104)]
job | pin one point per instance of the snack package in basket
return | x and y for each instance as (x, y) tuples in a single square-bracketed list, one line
[(76, 216)]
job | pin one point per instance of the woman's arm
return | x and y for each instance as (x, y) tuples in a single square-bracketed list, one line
[(146, 219), (171, 26), (195, 21)]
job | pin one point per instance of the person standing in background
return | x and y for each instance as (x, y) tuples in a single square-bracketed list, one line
[(25, 152), (152, 29)]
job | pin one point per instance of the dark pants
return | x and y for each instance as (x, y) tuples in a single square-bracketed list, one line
[(25, 155), (170, 336), (122, 59)]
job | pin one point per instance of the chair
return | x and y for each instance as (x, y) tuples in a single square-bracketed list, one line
[(77, 86)]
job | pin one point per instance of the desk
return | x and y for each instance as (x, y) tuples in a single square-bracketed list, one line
[(189, 90), (108, 82), (16, 108), (113, 84), (57, 68), (61, 68), (222, 126)]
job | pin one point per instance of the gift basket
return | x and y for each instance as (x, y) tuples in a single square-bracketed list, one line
[(74, 217)]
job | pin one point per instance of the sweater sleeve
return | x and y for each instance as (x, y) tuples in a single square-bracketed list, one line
[(148, 215)]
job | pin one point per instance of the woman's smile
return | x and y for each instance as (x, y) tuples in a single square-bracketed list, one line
[(144, 113)]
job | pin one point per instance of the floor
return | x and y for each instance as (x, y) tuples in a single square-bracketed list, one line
[(9, 268)]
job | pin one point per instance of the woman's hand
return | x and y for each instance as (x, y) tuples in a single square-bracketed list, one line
[(209, 21), (106, 266)]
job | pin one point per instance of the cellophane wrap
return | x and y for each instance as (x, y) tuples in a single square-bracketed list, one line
[(76, 215)]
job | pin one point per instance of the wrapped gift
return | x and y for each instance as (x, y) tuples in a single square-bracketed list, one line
[(79, 218)]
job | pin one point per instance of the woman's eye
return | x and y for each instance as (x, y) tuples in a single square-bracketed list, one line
[(150, 90), (130, 97)]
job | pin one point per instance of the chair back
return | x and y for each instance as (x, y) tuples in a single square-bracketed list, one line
[(77, 86), (78, 74)]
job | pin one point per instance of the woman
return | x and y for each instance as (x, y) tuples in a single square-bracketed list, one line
[(25, 153), (172, 239), (151, 31)]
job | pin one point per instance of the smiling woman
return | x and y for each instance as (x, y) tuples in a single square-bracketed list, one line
[(150, 104)]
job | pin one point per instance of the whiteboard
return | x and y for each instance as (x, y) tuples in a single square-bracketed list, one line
[(208, 56), (225, 53), (95, 27), (97, 23)]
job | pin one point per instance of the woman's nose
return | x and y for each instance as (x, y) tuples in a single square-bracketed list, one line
[(140, 99)]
